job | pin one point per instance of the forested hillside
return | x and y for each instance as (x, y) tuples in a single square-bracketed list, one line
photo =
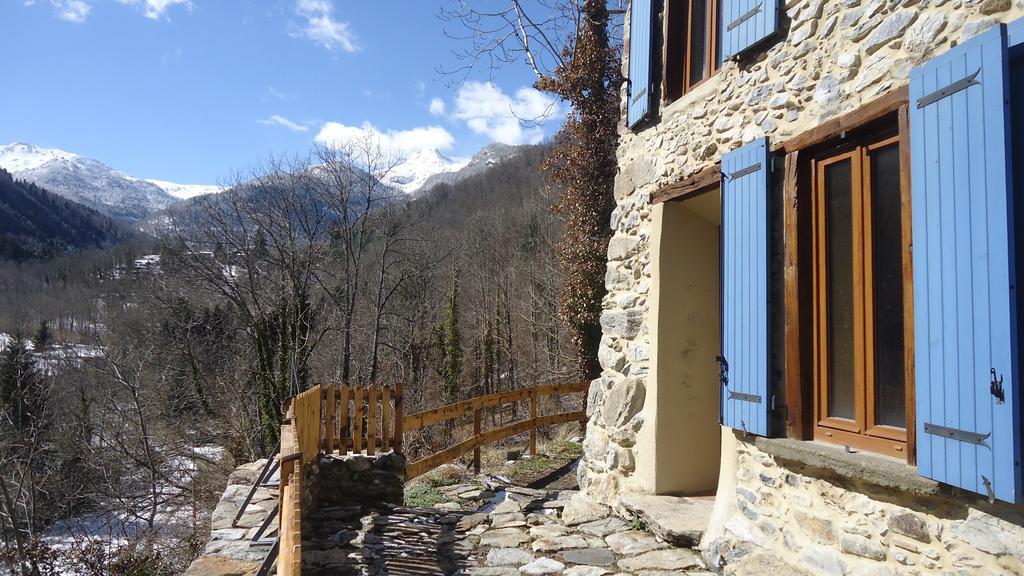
[(152, 367), (38, 223)]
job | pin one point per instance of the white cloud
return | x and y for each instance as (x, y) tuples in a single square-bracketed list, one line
[(276, 120), (72, 10), (437, 107), (277, 94), (403, 141), (321, 27), (154, 9), (517, 119)]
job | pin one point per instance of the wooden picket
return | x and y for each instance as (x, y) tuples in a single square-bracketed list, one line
[(344, 437), (371, 420), (385, 418), (357, 420)]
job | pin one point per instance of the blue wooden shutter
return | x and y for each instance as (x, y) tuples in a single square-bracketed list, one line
[(1015, 33), (639, 93), (745, 23), (745, 397), (968, 428)]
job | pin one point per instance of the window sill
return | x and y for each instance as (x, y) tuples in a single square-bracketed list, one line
[(702, 91), (876, 469)]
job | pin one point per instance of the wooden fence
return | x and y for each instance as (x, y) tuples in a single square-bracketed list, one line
[(474, 407), (339, 418)]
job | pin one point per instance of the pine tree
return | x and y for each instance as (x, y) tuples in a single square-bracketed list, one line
[(450, 346), (42, 338), (21, 386)]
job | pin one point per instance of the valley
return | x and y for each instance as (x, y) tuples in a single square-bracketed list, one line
[(148, 352)]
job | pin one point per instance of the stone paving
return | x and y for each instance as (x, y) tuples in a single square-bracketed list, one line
[(488, 528), (493, 530)]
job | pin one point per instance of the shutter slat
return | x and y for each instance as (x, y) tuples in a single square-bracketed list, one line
[(745, 395), (964, 306), (638, 97), (744, 24)]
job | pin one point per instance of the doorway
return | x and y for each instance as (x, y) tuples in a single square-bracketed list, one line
[(684, 393)]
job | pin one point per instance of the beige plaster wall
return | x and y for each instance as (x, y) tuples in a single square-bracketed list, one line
[(685, 333)]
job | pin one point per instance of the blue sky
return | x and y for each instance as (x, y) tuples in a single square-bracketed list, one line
[(194, 90)]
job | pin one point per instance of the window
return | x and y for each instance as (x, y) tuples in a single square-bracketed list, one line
[(691, 46), (859, 265)]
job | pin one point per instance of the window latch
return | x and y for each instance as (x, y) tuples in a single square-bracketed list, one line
[(723, 370), (996, 387)]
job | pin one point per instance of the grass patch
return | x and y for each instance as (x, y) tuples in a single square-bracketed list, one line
[(423, 495), (423, 491)]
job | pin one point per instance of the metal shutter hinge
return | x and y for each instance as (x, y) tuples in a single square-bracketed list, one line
[(744, 17), (961, 84), (956, 434)]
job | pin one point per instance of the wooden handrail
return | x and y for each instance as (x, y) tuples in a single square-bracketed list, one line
[(320, 420), (466, 407), (473, 407)]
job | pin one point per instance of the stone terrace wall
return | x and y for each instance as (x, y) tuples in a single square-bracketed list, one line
[(831, 525), (833, 56)]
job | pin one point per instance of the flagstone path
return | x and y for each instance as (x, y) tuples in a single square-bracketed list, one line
[(490, 531)]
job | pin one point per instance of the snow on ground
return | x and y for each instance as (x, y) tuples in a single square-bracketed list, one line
[(173, 521)]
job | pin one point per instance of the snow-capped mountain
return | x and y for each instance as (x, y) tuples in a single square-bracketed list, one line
[(488, 156), (185, 191), (411, 174), (92, 182)]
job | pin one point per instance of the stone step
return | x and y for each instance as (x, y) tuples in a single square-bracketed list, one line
[(680, 521)]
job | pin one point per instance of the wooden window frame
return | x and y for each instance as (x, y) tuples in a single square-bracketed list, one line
[(676, 47), (863, 431), (799, 388)]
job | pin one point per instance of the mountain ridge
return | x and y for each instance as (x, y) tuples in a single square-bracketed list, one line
[(93, 183), (37, 223)]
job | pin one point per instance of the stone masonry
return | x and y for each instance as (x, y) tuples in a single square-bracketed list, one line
[(832, 56), (829, 525)]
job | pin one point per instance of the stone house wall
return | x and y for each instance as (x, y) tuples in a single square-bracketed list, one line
[(831, 57), (832, 523)]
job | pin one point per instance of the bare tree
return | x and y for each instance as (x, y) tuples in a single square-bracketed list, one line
[(573, 47), (260, 246)]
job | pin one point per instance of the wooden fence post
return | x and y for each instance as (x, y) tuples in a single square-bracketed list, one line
[(399, 416), (533, 423), (476, 434)]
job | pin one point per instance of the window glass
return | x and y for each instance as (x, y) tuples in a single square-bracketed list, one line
[(839, 297), (887, 284), (698, 41)]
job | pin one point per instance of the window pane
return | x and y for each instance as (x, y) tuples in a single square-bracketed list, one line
[(887, 240), (839, 291), (698, 39)]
